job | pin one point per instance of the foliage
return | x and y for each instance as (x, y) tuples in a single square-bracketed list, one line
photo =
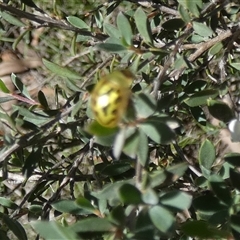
[(163, 172)]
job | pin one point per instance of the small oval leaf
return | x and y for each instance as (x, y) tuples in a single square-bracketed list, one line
[(207, 154)]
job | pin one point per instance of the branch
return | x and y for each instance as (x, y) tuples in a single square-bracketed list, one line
[(201, 48), (49, 22)]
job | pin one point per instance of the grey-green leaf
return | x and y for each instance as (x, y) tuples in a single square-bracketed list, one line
[(143, 25), (61, 71), (207, 154), (111, 30), (11, 19), (201, 98), (202, 29), (177, 200), (50, 230), (163, 219), (158, 131), (20, 86), (142, 150), (92, 224), (125, 28), (77, 22)]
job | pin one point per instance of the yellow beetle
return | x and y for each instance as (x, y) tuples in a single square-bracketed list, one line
[(110, 98)]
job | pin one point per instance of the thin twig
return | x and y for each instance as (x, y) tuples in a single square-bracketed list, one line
[(162, 74), (25, 140), (201, 48), (50, 22), (65, 181)]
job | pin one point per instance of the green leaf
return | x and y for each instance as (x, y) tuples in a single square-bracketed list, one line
[(201, 98), (202, 230), (207, 205), (173, 24), (235, 223), (13, 20), (32, 117), (112, 31), (207, 154), (233, 159), (125, 28), (36, 209), (6, 99), (176, 200), (110, 191), (143, 25), (195, 6), (19, 85), (215, 49), (199, 115), (7, 118), (8, 203), (192, 6), (117, 216), (74, 44), (202, 29), (157, 130), (61, 71), (162, 219), (131, 143), (219, 218), (142, 149), (144, 227), (14, 226), (220, 110), (145, 105), (225, 170), (98, 16), (77, 22), (235, 179), (116, 169), (149, 196), (42, 100), (130, 194), (195, 38), (168, 175), (184, 13), (220, 188), (180, 62), (50, 230), (105, 140), (236, 65), (70, 206), (195, 86), (111, 47), (79, 38), (85, 204), (92, 224), (3, 87)]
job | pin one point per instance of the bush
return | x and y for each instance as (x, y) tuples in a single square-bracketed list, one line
[(168, 166)]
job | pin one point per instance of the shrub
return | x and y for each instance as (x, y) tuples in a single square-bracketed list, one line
[(168, 168)]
